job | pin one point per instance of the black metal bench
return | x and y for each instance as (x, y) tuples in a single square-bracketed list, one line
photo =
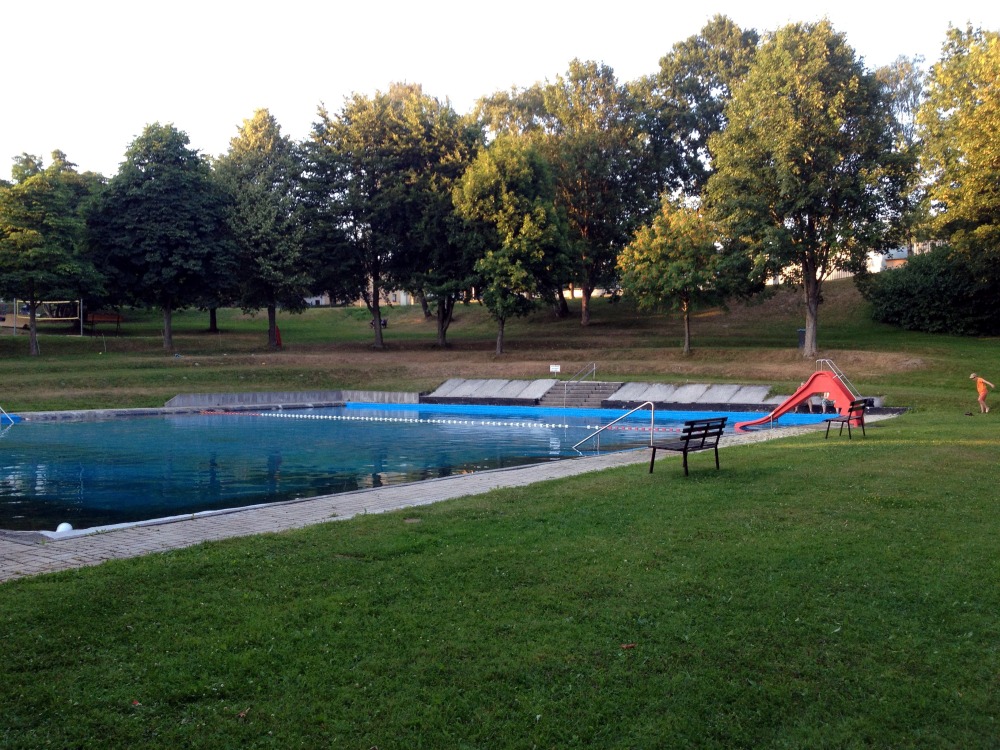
[(696, 435), (855, 413)]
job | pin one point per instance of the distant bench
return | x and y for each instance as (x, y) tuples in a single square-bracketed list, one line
[(855, 413), (697, 435), (93, 319)]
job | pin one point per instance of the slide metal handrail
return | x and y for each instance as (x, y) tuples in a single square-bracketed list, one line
[(829, 366), (652, 417)]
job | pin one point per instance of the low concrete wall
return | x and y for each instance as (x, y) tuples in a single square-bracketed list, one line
[(288, 398)]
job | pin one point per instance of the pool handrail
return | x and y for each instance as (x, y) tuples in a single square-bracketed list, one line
[(590, 370), (652, 417), (9, 418)]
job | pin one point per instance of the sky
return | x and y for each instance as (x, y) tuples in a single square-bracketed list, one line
[(87, 76)]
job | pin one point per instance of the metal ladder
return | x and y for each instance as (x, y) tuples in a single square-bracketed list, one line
[(652, 421), (6, 422)]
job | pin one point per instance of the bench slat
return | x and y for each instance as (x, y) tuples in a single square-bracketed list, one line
[(696, 435)]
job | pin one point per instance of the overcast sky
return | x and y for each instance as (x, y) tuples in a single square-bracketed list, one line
[(87, 76)]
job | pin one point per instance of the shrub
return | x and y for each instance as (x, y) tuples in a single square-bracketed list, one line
[(938, 292)]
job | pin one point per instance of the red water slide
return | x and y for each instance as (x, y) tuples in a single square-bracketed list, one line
[(818, 384)]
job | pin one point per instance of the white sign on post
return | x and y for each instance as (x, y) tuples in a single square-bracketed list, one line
[(554, 368)]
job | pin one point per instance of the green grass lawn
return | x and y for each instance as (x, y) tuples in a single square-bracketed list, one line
[(812, 594)]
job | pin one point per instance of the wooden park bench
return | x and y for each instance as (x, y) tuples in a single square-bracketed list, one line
[(92, 320), (855, 413), (696, 435)]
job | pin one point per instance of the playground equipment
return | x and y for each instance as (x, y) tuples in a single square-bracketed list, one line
[(54, 314), (828, 382)]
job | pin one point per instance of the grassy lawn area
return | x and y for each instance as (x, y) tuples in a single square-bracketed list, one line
[(812, 594)]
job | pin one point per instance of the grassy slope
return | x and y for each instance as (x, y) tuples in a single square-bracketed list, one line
[(327, 348), (813, 593)]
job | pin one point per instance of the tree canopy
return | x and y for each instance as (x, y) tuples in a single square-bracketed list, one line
[(262, 174), (687, 100), (675, 262), (159, 230), (802, 159), (808, 177), (585, 124), (508, 197), (42, 234), (959, 125), (380, 176)]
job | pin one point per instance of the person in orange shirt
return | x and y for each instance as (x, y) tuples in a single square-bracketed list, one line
[(981, 384)]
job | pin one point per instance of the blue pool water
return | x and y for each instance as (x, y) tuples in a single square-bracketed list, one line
[(124, 470)]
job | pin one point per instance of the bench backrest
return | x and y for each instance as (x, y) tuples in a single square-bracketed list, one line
[(857, 408), (703, 432)]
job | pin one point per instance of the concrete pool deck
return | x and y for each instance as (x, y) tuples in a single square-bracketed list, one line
[(28, 553)]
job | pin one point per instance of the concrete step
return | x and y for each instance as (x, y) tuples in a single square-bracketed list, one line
[(579, 395)]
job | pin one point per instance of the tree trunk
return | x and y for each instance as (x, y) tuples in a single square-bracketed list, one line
[(562, 306), (812, 294), (376, 311), (686, 312), (445, 311), (500, 325), (424, 306), (586, 292), (213, 320), (168, 328), (272, 327), (33, 349)]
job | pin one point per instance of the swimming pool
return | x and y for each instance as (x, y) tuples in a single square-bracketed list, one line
[(97, 473)]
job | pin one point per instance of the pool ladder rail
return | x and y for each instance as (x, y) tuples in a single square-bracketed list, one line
[(6, 421), (652, 419)]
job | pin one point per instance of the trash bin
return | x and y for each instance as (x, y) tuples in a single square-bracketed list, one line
[(802, 338)]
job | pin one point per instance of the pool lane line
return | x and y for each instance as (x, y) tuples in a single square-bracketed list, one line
[(473, 422)]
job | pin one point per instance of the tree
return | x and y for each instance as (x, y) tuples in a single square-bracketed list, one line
[(439, 265), (903, 82), (376, 190), (959, 124), (160, 226), (808, 179), (675, 262), (262, 173), (508, 196), (686, 100), (42, 234), (586, 126)]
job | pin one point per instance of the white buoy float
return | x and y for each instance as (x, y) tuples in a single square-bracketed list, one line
[(64, 527)]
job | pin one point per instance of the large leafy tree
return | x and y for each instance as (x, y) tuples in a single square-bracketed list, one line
[(903, 81), (808, 177), (160, 226), (675, 262), (262, 174), (586, 125), (42, 234), (379, 172), (508, 197), (686, 100), (439, 265), (959, 125)]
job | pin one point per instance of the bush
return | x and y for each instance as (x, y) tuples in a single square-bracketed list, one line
[(937, 292)]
